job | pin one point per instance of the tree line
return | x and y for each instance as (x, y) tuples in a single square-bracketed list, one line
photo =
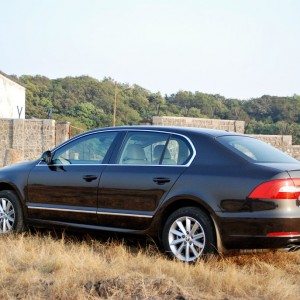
[(88, 103)]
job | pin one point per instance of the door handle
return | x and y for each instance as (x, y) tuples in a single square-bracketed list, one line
[(89, 178), (161, 180)]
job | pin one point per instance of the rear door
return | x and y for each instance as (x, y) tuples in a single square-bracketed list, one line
[(141, 174)]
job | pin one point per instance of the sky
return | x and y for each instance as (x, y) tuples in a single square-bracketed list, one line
[(236, 48)]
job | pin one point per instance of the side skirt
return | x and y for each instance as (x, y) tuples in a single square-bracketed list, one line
[(47, 223)]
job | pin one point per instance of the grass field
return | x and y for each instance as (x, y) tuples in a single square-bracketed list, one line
[(40, 266)]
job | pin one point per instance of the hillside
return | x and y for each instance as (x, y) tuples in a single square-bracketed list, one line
[(88, 103), (42, 267)]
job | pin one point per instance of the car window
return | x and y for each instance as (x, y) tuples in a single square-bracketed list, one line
[(90, 149), (255, 150), (143, 148), (177, 152)]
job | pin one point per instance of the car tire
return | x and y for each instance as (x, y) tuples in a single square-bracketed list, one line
[(11, 213), (188, 235)]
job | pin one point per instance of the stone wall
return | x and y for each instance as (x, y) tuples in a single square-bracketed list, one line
[(28, 139), (283, 142), (62, 132), (296, 151), (229, 125)]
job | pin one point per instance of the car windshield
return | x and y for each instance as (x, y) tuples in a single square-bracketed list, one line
[(255, 150)]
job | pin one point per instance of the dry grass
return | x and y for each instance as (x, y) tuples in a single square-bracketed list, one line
[(35, 266)]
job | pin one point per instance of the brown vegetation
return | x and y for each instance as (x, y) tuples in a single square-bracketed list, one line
[(33, 266)]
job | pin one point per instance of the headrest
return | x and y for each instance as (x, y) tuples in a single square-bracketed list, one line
[(135, 152)]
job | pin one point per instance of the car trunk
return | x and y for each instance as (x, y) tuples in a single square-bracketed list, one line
[(293, 169)]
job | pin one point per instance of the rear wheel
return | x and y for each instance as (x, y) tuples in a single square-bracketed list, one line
[(11, 214), (188, 234)]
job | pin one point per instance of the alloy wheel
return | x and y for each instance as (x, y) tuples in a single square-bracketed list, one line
[(186, 239), (7, 215)]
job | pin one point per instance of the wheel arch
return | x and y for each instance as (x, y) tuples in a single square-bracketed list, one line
[(11, 187), (186, 201)]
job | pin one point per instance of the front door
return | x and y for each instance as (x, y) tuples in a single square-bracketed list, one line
[(139, 177), (67, 189)]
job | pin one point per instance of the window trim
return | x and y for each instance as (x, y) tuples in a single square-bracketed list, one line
[(67, 143), (166, 146), (126, 165)]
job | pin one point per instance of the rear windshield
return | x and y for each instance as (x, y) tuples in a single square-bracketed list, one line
[(255, 150)]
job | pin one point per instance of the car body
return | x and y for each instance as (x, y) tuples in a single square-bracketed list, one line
[(197, 190)]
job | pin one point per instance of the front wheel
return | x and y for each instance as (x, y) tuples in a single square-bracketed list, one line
[(188, 234), (11, 215)]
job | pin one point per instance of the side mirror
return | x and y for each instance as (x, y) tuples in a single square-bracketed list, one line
[(47, 157)]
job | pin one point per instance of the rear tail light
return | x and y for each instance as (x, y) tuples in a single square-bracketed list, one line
[(281, 189)]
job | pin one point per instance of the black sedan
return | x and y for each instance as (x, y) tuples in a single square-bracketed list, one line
[(197, 191)]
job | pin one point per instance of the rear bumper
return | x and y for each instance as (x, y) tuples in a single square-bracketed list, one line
[(261, 242), (258, 233)]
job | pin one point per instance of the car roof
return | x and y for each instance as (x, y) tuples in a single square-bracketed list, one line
[(175, 129)]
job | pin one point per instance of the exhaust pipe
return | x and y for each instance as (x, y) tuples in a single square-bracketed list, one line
[(293, 248)]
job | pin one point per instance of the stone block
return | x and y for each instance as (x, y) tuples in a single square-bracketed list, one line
[(295, 150), (283, 142), (229, 125), (12, 156), (62, 132)]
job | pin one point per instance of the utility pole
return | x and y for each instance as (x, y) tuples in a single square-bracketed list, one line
[(115, 105), (115, 101)]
